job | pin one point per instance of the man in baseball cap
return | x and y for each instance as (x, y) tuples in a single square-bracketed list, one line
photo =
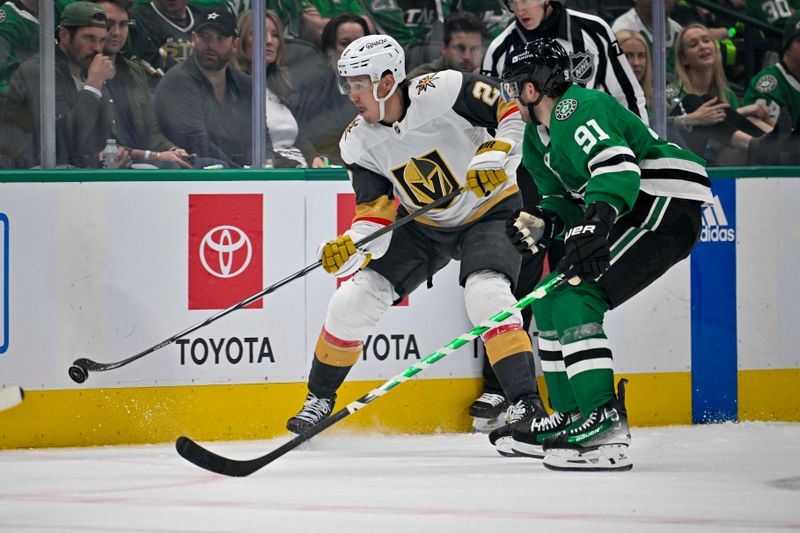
[(220, 19), (83, 15)]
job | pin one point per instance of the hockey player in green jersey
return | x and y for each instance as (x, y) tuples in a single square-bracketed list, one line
[(628, 206)]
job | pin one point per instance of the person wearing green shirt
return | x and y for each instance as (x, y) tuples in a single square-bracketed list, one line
[(773, 12), (410, 22), (627, 204), (19, 34), (778, 87)]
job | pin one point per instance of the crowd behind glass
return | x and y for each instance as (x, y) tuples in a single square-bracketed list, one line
[(169, 80)]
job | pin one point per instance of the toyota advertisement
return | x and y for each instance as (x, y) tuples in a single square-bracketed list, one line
[(105, 270)]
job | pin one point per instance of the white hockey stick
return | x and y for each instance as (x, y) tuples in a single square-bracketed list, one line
[(10, 396)]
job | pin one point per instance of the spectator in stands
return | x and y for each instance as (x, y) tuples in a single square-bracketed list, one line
[(163, 36), (134, 119), (287, 142), (84, 117), (492, 13), (640, 18), (418, 25), (637, 51), (704, 107), (19, 36), (778, 86), (204, 103), (321, 110), (774, 12), (462, 50), (319, 12)]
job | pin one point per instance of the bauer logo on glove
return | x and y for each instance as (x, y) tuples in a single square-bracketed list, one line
[(587, 252), (487, 169)]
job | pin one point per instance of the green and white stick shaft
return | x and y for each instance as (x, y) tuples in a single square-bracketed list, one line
[(200, 456), (455, 344)]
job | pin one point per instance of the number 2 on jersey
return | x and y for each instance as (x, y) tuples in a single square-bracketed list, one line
[(485, 92), (586, 139)]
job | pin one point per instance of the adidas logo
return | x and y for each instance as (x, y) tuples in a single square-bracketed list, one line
[(715, 224)]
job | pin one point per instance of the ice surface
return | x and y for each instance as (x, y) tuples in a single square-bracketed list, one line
[(728, 477)]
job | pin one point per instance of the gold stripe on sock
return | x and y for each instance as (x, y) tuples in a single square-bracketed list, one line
[(509, 343), (336, 355)]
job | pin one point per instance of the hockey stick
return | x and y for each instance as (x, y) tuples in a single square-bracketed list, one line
[(10, 396), (196, 454), (80, 368)]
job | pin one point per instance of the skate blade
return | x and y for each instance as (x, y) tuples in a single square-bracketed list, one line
[(527, 450), (503, 447), (486, 425), (611, 457)]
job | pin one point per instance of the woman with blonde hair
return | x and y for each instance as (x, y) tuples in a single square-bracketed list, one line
[(637, 51), (704, 107), (291, 147)]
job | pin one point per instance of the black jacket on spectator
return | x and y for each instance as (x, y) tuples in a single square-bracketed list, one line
[(193, 119), (136, 122), (83, 121)]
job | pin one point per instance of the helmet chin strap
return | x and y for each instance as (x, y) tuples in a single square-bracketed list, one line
[(382, 101), (531, 105)]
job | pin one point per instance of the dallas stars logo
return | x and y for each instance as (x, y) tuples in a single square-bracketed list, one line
[(566, 108), (766, 84), (425, 82)]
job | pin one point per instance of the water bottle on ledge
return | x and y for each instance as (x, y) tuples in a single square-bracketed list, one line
[(110, 154)]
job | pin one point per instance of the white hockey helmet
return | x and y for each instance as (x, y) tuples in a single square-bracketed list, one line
[(372, 55)]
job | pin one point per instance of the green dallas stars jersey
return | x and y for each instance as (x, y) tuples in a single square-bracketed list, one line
[(774, 12), (597, 150), (777, 88), (19, 39)]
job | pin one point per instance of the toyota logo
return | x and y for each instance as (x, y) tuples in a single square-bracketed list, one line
[(224, 242)]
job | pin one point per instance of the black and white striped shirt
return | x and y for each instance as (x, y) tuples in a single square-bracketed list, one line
[(597, 61)]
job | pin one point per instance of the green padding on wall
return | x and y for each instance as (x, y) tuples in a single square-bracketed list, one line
[(310, 174), (80, 175)]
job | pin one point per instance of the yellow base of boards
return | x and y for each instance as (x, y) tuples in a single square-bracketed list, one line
[(92, 417)]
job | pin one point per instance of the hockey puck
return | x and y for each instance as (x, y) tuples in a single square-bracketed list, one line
[(77, 374), (11, 396)]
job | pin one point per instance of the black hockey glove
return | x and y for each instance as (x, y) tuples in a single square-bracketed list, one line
[(586, 249), (531, 230)]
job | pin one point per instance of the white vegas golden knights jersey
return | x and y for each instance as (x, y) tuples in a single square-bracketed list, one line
[(425, 155)]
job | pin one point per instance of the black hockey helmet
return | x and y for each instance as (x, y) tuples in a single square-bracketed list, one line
[(544, 62)]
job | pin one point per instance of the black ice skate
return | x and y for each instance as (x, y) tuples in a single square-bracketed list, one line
[(314, 410), (528, 439), (520, 414), (600, 443), (488, 412)]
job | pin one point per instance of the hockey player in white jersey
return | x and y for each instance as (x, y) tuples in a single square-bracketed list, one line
[(417, 141)]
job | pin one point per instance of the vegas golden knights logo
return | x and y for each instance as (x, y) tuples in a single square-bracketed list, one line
[(425, 179)]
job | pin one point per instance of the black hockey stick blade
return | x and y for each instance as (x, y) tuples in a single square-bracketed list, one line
[(204, 458)]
